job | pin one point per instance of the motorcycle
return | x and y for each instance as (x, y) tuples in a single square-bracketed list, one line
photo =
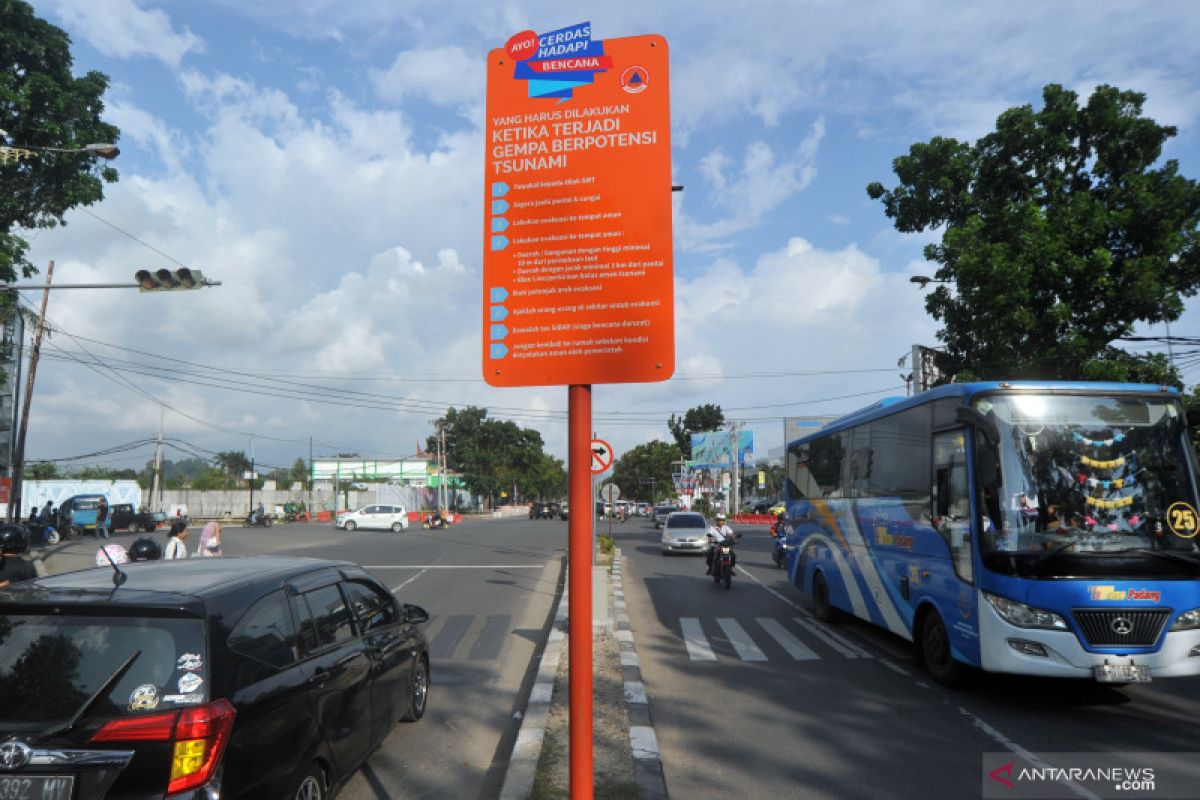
[(258, 521), (723, 563), (435, 522), (781, 550)]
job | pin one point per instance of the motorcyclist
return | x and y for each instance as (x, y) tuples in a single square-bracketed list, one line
[(257, 514), (719, 533), (14, 540)]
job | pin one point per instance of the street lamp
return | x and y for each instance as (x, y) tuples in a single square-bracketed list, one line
[(95, 149), (925, 280)]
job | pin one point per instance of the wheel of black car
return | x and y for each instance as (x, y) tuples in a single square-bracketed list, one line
[(133, 527), (351, 525), (74, 532), (311, 785), (397, 527), (822, 608), (418, 695), (935, 651)]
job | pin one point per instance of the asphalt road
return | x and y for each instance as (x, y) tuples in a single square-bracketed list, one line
[(488, 586), (753, 698)]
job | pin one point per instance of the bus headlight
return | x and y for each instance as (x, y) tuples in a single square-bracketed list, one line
[(1024, 616), (1188, 620)]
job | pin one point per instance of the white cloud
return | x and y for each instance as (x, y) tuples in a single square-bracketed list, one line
[(445, 76), (763, 182), (121, 29)]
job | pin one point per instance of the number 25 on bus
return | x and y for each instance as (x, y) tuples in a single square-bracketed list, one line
[(1037, 528)]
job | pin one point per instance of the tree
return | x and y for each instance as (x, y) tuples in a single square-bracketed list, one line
[(41, 471), (494, 455), (648, 460), (300, 473), (707, 417), (234, 463), (1059, 234), (42, 104)]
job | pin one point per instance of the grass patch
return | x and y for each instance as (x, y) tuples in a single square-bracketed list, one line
[(548, 763)]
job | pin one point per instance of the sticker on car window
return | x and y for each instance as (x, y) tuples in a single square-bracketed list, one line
[(189, 662), (194, 699), (144, 698), (190, 683)]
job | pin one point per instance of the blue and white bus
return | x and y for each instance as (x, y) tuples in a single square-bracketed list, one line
[(1027, 527)]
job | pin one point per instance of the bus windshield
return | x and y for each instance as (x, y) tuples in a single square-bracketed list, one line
[(1090, 474)]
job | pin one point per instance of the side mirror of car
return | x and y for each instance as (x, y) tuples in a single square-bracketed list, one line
[(415, 615)]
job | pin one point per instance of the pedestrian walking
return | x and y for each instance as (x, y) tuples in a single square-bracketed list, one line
[(210, 540), (102, 518), (175, 541)]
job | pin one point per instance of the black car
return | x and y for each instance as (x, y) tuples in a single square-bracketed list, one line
[(261, 677), (124, 517)]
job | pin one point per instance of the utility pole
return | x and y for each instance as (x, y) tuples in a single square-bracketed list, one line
[(443, 458), (309, 507), (251, 509), (19, 456), (156, 487), (735, 452)]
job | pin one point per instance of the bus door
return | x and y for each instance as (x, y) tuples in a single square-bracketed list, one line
[(953, 580)]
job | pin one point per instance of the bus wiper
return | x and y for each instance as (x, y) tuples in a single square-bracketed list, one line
[(104, 689), (1053, 552), (1181, 557)]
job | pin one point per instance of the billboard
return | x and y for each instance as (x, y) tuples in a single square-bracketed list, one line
[(715, 448)]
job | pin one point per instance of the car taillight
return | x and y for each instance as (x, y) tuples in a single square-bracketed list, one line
[(199, 734)]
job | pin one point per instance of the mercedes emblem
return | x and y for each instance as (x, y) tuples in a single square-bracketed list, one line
[(14, 754), (1122, 626)]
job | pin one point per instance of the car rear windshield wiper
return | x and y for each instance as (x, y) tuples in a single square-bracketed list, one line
[(104, 689)]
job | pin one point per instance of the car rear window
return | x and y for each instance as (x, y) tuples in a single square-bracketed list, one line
[(51, 663), (686, 521)]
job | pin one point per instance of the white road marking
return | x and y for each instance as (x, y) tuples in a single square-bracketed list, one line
[(407, 582), (795, 648), (842, 641), (746, 649), (693, 636), (836, 642), (1011, 746)]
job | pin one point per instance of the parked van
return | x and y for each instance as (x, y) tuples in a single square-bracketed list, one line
[(78, 514)]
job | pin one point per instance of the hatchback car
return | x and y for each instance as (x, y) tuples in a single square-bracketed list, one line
[(685, 532), (261, 677), (393, 518)]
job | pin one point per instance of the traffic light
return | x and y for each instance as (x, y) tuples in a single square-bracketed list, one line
[(165, 280)]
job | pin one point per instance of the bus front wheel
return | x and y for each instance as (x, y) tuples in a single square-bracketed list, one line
[(935, 652), (822, 608)]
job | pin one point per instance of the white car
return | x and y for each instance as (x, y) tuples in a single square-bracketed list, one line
[(380, 517), (685, 532)]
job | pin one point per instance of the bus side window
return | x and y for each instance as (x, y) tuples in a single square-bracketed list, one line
[(952, 499)]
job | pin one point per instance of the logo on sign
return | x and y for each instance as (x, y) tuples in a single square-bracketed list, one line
[(559, 62), (635, 80)]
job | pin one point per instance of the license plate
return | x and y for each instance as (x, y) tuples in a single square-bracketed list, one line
[(36, 787), (1122, 673)]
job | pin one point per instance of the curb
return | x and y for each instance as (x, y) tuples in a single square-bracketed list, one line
[(522, 765), (647, 762)]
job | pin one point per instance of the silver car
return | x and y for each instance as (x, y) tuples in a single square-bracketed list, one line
[(685, 532)]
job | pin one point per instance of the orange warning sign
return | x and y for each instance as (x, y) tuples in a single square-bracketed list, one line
[(577, 261)]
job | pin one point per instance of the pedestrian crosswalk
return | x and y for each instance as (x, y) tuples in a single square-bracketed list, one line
[(467, 637), (796, 639)]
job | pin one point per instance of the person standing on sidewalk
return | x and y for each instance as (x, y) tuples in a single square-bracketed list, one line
[(102, 518)]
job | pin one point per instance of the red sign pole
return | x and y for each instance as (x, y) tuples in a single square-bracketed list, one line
[(579, 550)]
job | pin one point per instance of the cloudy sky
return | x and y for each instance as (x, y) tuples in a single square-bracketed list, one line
[(324, 160)]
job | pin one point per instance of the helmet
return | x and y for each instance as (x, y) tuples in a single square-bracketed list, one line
[(14, 539), (144, 549), (720, 516)]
